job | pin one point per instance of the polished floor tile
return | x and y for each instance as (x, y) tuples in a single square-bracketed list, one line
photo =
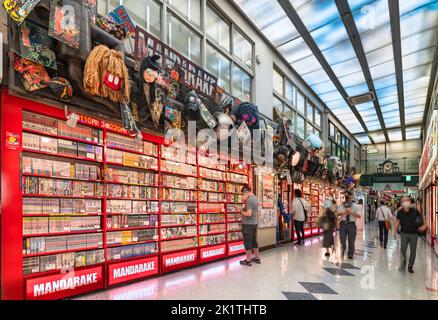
[(299, 296), (373, 275), (315, 287)]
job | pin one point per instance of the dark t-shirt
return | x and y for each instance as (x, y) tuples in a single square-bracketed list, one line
[(407, 221)]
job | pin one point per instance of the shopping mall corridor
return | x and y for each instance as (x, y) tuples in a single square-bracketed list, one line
[(298, 273)]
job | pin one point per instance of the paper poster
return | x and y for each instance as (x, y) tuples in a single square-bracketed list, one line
[(36, 46), (120, 15), (18, 10), (12, 140), (267, 218), (64, 24), (267, 185)]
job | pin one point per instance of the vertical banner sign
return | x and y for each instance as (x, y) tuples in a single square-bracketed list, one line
[(194, 77)]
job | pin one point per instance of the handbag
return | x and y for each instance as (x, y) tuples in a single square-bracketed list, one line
[(388, 225), (304, 210)]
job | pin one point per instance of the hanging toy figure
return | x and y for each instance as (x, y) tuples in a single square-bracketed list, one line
[(106, 75), (246, 112)]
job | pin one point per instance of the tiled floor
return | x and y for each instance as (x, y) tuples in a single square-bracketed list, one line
[(298, 273)]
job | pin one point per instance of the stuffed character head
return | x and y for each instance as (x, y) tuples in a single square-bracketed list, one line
[(106, 75)]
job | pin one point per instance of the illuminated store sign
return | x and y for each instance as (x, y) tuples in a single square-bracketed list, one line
[(126, 271), (179, 260), (235, 248), (64, 284), (213, 253)]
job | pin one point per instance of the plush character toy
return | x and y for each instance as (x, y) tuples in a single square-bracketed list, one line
[(106, 75)]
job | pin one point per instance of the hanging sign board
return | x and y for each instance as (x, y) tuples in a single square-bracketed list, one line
[(194, 77)]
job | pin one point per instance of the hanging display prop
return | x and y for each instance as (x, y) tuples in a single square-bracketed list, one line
[(64, 24), (18, 10)]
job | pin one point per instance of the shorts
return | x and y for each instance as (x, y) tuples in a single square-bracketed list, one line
[(249, 232)]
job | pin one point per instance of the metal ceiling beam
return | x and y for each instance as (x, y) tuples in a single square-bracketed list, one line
[(353, 34), (308, 39), (394, 15), (433, 79)]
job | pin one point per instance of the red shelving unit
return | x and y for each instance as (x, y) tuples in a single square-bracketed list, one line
[(131, 190)]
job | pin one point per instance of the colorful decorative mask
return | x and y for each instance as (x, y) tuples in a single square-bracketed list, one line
[(106, 75), (33, 75)]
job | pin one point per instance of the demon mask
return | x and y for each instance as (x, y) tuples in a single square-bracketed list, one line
[(106, 75)]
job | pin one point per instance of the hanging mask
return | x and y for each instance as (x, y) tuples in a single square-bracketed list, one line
[(106, 75)]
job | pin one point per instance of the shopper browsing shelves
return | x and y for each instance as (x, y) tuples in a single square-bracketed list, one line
[(249, 226), (300, 207)]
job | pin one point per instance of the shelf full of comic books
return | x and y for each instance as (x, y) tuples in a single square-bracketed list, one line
[(113, 209)]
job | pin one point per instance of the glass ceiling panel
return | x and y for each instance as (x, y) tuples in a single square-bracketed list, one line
[(413, 133), (395, 135), (389, 107), (416, 84), (295, 50), (377, 40), (275, 25), (418, 58), (378, 137), (415, 102), (365, 106), (414, 120), (381, 83), (382, 70), (324, 87), (415, 110), (392, 123), (415, 93), (391, 114), (417, 42), (337, 104), (363, 139), (388, 100), (416, 72), (331, 96), (308, 66)]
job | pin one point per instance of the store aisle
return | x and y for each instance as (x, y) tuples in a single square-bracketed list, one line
[(290, 272)]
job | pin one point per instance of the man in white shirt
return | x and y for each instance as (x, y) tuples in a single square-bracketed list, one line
[(383, 214), (299, 205), (349, 212)]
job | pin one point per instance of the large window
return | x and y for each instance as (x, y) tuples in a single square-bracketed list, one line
[(339, 142), (227, 53), (219, 66), (183, 40), (306, 118), (242, 48), (241, 84), (217, 29), (190, 9)]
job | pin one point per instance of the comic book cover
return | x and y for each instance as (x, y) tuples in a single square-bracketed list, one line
[(121, 16), (33, 75), (18, 10), (35, 45), (91, 5), (64, 25)]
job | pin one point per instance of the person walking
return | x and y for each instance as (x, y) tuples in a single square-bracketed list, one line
[(349, 212), (360, 223), (383, 217), (328, 224), (249, 226), (300, 207), (411, 223)]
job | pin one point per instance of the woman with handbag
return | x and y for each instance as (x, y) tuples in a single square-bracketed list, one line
[(328, 223), (383, 215)]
